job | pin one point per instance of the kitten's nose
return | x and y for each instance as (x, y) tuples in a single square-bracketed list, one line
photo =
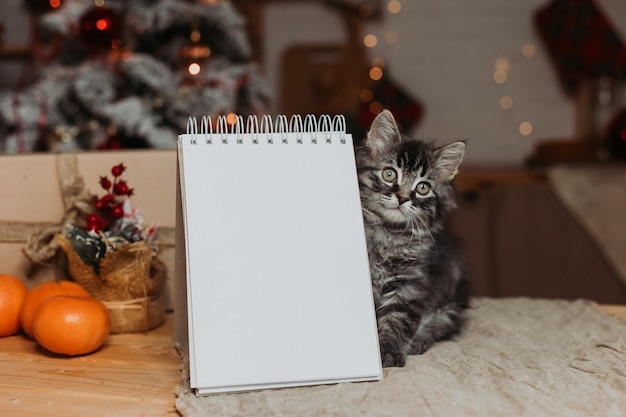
[(402, 199)]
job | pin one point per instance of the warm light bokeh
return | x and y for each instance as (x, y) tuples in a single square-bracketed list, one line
[(194, 68), (525, 128), (370, 40), (394, 6), (506, 102)]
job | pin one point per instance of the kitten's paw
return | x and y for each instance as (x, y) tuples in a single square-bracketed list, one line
[(420, 347), (393, 360), (391, 352)]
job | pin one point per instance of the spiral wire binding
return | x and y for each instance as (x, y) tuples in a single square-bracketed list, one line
[(236, 129), (267, 126), (206, 129), (282, 128), (252, 127), (310, 123), (326, 125), (192, 129), (296, 125)]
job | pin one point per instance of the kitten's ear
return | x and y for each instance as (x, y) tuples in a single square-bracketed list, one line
[(449, 158), (384, 130)]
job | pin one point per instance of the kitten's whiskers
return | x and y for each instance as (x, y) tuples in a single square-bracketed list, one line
[(432, 238), (411, 226)]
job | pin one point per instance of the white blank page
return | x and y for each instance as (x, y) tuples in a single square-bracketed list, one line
[(277, 265)]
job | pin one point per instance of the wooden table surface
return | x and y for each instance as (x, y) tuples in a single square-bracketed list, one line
[(131, 375)]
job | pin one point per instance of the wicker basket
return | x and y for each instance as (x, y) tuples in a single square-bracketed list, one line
[(130, 283)]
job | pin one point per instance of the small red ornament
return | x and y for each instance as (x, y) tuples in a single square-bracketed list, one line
[(101, 28)]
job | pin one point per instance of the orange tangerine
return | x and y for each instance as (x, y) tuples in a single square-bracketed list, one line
[(42, 291), (12, 295), (71, 325)]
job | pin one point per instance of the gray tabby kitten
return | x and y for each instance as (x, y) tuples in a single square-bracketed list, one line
[(418, 278)]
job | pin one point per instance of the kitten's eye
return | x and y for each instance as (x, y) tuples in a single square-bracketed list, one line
[(422, 188), (390, 175)]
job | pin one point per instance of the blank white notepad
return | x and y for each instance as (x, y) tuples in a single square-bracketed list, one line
[(278, 285)]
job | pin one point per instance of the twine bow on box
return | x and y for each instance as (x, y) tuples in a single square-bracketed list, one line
[(130, 278)]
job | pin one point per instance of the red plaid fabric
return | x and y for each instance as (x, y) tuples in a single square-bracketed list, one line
[(581, 41)]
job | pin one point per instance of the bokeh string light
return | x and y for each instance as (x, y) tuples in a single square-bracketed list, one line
[(376, 73), (525, 128), (376, 70), (506, 102), (502, 67), (194, 68), (394, 6), (370, 40), (196, 53), (528, 50)]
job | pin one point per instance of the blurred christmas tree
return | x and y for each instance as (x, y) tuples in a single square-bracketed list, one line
[(128, 73)]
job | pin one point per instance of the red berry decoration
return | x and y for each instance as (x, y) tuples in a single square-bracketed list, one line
[(118, 170), (93, 222), (93, 218), (121, 188), (106, 200), (105, 183), (110, 206), (117, 212)]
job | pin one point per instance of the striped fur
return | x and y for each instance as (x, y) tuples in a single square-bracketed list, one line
[(419, 282)]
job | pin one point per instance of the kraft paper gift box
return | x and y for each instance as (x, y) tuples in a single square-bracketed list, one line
[(32, 188)]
